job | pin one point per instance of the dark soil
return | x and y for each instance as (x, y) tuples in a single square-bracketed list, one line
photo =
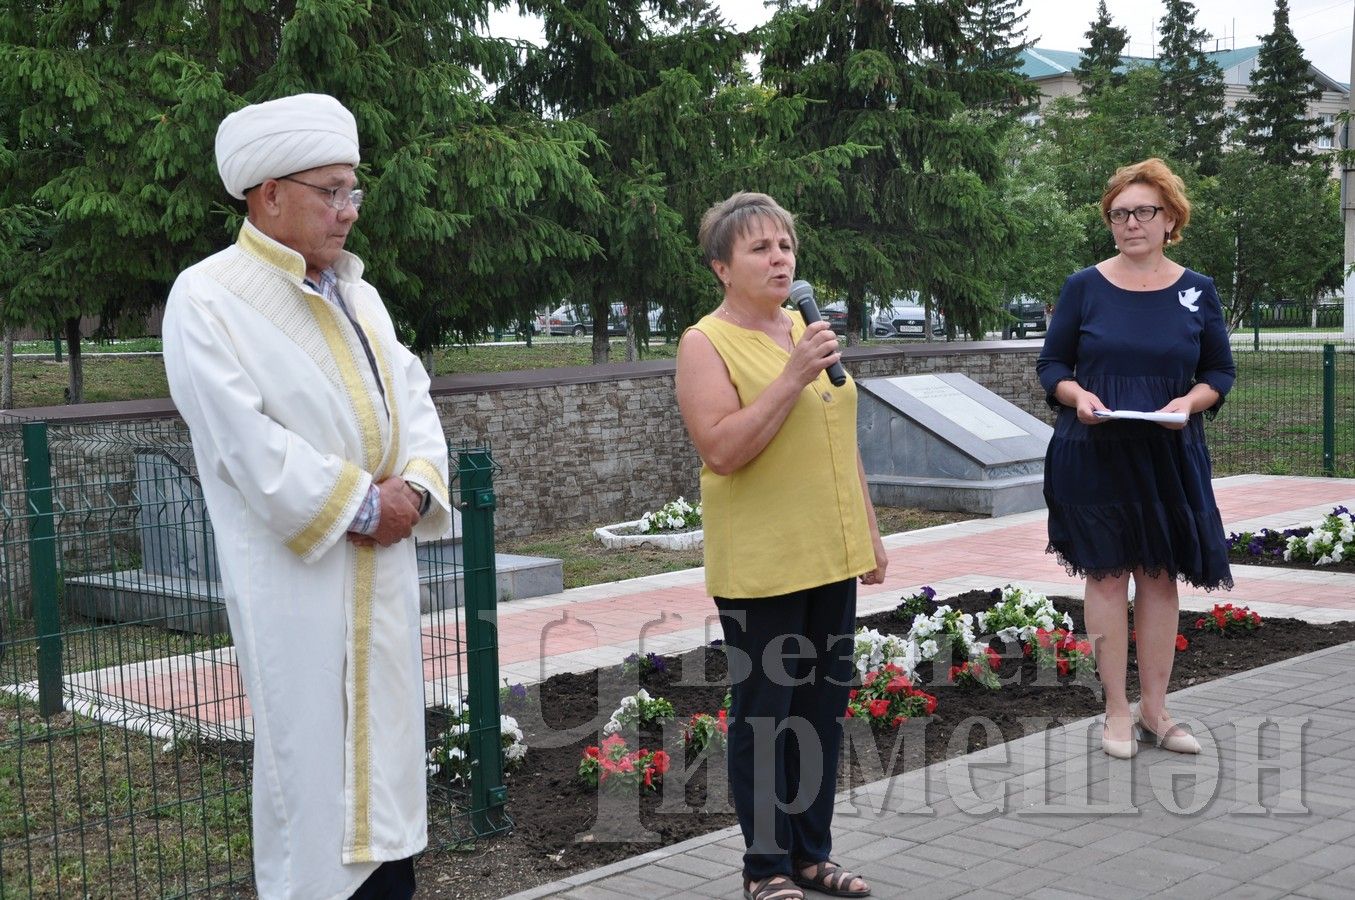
[(559, 831)]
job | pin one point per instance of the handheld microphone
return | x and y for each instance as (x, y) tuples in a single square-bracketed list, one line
[(802, 295)]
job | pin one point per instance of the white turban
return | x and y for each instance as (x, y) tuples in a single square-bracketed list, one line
[(290, 134)]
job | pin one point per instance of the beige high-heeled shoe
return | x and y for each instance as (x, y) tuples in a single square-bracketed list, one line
[(1118, 749), (1177, 742)]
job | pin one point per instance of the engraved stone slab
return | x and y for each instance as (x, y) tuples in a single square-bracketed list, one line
[(945, 442)]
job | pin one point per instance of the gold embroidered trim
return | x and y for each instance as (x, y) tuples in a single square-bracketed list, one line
[(359, 398), (364, 588), (314, 532), (261, 247), (392, 403), (431, 474)]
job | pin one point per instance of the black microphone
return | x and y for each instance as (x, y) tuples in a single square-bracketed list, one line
[(802, 295)]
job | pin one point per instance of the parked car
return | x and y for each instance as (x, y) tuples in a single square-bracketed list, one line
[(907, 319), (1026, 315), (576, 320), (835, 314)]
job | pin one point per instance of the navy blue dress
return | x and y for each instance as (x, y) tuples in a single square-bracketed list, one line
[(1127, 494)]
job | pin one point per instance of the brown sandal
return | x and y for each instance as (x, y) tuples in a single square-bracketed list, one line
[(773, 887), (829, 878)]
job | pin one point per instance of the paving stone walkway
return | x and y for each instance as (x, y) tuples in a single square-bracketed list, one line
[(1267, 810)]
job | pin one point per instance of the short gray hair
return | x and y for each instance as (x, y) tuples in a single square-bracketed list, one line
[(729, 220)]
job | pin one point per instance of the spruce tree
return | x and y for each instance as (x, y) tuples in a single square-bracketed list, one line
[(80, 86), (996, 38), (1191, 97), (918, 211), (118, 106), (661, 84), (1276, 121), (1100, 63)]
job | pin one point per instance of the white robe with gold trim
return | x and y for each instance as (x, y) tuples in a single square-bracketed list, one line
[(289, 429)]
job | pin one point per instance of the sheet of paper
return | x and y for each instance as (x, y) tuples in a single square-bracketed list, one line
[(1145, 416)]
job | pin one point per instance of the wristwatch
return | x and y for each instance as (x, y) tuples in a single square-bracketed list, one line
[(425, 498)]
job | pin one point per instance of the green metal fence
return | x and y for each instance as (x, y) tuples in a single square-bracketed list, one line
[(1296, 316), (1292, 410), (125, 737)]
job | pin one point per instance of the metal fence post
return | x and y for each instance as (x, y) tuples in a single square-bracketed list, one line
[(42, 559), (1329, 409), (489, 796)]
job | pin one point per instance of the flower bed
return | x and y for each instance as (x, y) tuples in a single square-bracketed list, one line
[(556, 814), (674, 526), (631, 534), (1326, 545)]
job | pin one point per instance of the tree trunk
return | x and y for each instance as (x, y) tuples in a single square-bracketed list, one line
[(75, 392), (854, 307), (430, 363), (7, 372), (601, 349), (631, 355)]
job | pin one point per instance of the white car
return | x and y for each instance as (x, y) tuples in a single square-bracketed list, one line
[(907, 320)]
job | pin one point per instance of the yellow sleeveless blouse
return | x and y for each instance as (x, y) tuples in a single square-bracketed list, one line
[(793, 517)]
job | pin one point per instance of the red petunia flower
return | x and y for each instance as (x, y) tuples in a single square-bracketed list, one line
[(897, 685), (661, 761), (1199, 623), (879, 707), (1181, 642), (931, 703)]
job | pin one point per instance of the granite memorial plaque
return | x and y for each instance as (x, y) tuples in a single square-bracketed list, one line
[(946, 442)]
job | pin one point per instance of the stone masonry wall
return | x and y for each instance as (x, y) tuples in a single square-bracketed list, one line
[(604, 444)]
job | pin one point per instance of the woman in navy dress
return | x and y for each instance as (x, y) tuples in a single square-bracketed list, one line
[(1131, 497)]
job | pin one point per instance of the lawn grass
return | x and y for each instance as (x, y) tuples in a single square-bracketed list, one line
[(586, 561), (42, 382), (1272, 421), (88, 810)]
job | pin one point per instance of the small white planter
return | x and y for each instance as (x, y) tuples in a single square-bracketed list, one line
[(626, 535)]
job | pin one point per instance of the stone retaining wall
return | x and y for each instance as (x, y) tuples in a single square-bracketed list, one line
[(604, 444)]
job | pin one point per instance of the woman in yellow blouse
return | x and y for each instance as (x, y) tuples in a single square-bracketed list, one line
[(789, 528)]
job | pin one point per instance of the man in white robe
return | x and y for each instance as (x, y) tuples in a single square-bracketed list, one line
[(321, 458)]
